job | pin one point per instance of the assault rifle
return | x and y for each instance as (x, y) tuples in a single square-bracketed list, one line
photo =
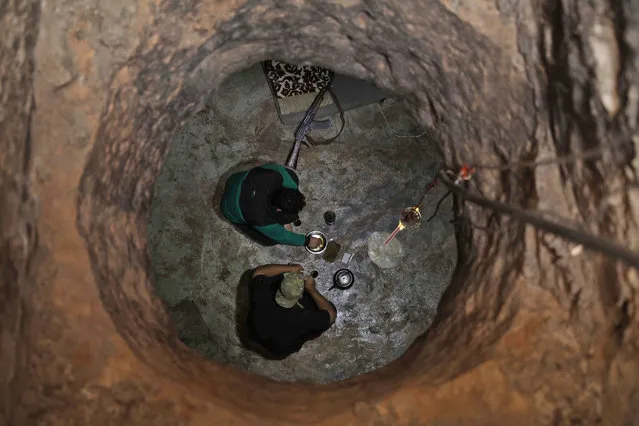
[(306, 125)]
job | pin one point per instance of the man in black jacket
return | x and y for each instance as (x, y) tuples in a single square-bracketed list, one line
[(266, 199), (286, 309)]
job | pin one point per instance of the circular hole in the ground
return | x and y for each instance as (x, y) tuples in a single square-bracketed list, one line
[(203, 264)]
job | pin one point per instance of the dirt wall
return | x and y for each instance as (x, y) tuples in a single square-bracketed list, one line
[(531, 329)]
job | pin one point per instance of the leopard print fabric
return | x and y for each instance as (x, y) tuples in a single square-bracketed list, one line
[(289, 80)]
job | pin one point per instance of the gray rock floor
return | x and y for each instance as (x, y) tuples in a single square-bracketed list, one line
[(366, 177)]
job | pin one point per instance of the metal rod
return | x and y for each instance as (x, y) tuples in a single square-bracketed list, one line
[(589, 241), (399, 228)]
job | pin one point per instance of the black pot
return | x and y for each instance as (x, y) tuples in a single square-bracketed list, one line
[(343, 279)]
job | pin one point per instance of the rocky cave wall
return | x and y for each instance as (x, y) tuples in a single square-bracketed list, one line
[(526, 331)]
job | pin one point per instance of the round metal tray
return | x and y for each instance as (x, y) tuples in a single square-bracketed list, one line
[(319, 235)]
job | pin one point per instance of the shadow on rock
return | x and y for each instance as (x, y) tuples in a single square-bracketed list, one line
[(192, 329)]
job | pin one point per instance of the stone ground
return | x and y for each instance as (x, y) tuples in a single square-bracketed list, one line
[(200, 260)]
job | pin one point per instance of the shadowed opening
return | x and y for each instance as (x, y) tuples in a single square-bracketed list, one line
[(366, 176), (167, 86)]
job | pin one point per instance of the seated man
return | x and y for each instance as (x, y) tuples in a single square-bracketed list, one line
[(266, 199), (286, 310)]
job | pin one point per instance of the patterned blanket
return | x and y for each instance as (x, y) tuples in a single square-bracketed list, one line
[(288, 80)]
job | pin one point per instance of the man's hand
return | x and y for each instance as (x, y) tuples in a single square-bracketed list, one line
[(309, 283), (296, 267), (288, 227), (314, 243), (320, 301)]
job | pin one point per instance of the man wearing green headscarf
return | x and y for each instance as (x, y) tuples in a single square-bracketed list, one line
[(286, 309), (263, 203)]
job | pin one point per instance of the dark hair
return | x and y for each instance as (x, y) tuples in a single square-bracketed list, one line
[(288, 200)]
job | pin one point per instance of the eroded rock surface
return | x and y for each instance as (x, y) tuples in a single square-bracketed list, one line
[(366, 176), (526, 331)]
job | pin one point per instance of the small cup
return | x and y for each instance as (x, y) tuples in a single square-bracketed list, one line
[(329, 217)]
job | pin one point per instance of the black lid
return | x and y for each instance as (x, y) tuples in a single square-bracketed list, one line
[(329, 217), (343, 279)]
